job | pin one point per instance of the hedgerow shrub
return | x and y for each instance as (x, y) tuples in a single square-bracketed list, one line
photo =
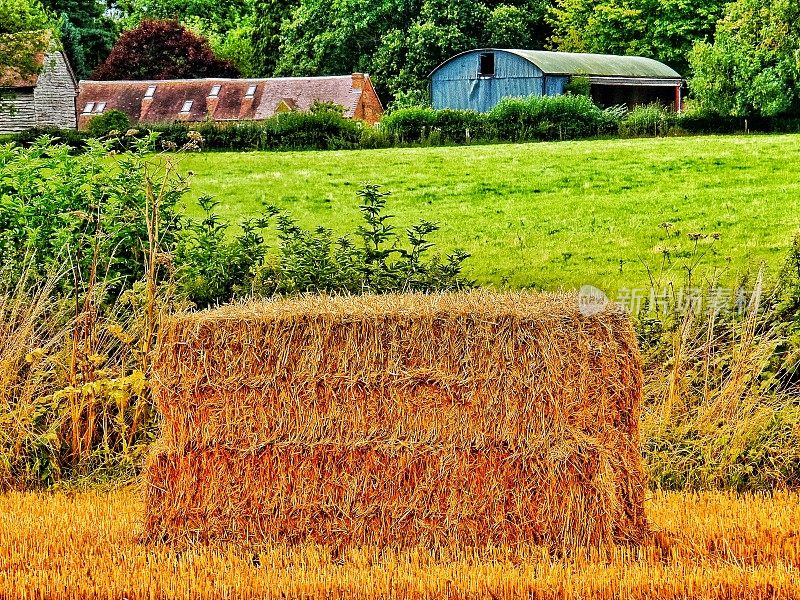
[(550, 118), (410, 124), (322, 130), (650, 120), (513, 119), (461, 126), (70, 137), (113, 120), (318, 130)]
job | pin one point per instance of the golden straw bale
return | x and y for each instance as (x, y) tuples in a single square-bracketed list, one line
[(477, 417), (474, 368), (351, 496)]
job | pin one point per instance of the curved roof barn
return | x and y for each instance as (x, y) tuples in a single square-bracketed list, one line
[(480, 78)]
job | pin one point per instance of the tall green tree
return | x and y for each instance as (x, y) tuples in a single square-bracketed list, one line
[(217, 15), (662, 29), (753, 66), (23, 15), (522, 26), (398, 41), (87, 33), (268, 19)]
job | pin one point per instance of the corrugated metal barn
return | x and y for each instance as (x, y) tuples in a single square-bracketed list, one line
[(479, 79)]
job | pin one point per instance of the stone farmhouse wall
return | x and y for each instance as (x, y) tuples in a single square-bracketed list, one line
[(55, 94)]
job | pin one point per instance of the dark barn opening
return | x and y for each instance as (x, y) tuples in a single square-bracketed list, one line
[(632, 95), (486, 65)]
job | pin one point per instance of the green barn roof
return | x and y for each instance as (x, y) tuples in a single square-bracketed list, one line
[(598, 65), (590, 65)]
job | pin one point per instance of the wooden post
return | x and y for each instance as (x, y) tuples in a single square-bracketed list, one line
[(677, 99)]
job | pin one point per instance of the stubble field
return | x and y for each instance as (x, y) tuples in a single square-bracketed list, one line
[(85, 544)]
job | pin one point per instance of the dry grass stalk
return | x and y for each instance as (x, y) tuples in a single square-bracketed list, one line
[(403, 419)]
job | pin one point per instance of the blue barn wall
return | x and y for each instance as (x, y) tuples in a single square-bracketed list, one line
[(457, 85)]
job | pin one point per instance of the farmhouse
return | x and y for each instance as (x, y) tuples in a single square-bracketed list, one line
[(41, 91), (225, 100), (479, 79)]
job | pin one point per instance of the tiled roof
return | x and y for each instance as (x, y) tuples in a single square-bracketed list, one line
[(231, 103)]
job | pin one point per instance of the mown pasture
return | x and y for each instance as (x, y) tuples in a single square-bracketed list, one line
[(611, 213)]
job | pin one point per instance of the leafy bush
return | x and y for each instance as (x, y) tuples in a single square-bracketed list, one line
[(215, 267), (411, 124), (550, 118), (113, 120), (78, 209), (651, 120), (578, 86)]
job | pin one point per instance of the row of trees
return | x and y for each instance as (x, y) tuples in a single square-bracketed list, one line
[(742, 56)]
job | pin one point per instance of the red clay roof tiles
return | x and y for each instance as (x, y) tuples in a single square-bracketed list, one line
[(232, 102)]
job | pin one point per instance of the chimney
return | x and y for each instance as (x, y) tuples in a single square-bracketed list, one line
[(358, 81)]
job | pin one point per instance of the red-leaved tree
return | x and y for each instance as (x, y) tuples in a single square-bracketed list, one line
[(162, 50)]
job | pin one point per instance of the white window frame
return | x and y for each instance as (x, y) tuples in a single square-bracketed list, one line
[(187, 107), (101, 106), (151, 91), (251, 91), (88, 108), (214, 93)]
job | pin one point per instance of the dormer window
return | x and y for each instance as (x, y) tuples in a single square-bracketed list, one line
[(187, 106), (486, 64), (88, 108), (101, 106), (251, 91), (214, 91), (150, 92)]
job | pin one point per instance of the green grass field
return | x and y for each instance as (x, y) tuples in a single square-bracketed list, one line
[(549, 215)]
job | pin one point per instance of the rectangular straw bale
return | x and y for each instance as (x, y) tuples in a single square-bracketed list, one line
[(468, 369), (400, 419), (404, 495)]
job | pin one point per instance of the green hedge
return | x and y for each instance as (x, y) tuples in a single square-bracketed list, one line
[(513, 119), (565, 117), (286, 131)]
